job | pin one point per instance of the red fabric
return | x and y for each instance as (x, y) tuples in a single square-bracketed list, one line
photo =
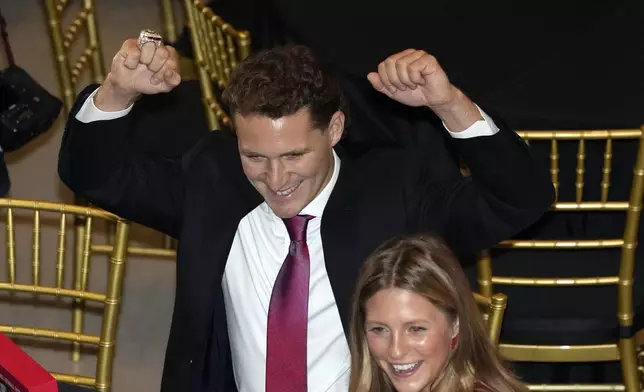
[(20, 373)]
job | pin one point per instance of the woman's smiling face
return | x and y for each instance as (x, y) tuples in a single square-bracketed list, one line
[(409, 337)]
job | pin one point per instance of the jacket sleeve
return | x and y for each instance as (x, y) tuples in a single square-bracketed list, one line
[(98, 162), (506, 191)]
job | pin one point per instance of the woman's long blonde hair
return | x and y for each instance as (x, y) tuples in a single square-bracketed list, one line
[(424, 264)]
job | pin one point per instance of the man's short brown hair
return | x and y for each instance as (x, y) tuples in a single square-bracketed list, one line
[(279, 82)]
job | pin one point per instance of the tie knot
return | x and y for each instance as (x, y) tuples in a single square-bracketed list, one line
[(296, 227)]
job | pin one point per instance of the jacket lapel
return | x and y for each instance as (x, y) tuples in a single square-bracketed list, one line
[(337, 231)]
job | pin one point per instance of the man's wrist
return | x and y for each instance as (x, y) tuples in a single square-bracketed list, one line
[(459, 114), (110, 99)]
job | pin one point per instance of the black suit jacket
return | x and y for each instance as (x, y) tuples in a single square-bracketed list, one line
[(201, 197)]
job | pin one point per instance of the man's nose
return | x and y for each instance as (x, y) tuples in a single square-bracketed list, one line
[(275, 175)]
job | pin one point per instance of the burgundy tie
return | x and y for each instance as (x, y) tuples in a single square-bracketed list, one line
[(288, 315)]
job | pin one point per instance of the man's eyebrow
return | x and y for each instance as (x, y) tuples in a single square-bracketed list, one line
[(249, 152), (298, 151)]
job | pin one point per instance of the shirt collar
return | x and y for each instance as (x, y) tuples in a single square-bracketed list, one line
[(317, 205)]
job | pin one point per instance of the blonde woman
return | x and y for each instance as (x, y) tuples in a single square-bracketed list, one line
[(416, 328)]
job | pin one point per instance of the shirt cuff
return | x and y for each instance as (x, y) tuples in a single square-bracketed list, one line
[(90, 113), (485, 127)]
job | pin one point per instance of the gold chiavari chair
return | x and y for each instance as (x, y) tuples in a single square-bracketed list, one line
[(83, 23), (623, 349), (80, 293), (63, 37), (169, 20), (217, 49), (492, 309)]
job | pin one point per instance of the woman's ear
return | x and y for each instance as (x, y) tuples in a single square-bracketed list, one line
[(455, 328)]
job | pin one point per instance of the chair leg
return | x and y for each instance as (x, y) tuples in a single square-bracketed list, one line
[(484, 274), (628, 358), (640, 365), (77, 315)]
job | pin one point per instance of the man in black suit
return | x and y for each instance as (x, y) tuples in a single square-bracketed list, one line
[(275, 220)]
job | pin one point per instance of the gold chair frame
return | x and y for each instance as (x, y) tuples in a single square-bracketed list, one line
[(169, 20), (91, 58), (111, 300), (624, 350), (494, 307), (217, 48)]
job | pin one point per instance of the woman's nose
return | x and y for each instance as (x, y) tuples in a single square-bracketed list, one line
[(397, 346)]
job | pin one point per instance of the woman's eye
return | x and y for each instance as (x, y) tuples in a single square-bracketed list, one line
[(377, 330), (416, 329)]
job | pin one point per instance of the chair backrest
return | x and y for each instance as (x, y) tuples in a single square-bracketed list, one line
[(217, 48), (79, 292), (626, 243), (632, 208), (492, 308), (62, 40)]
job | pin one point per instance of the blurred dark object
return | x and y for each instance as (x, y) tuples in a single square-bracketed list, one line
[(540, 65), (177, 121), (258, 17), (5, 181), (67, 387), (581, 71), (26, 108)]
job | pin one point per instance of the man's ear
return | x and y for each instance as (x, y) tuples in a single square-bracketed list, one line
[(336, 127)]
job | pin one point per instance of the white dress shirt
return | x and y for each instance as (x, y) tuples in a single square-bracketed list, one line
[(260, 247), (258, 251)]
